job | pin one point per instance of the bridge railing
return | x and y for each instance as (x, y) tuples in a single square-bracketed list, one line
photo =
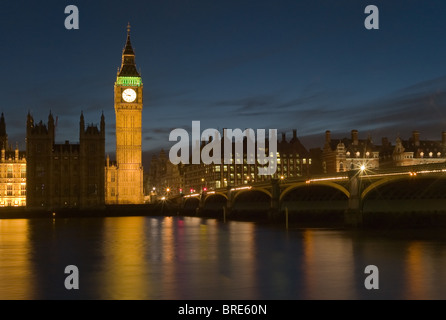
[(368, 173)]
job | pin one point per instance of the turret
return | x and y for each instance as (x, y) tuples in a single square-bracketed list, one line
[(29, 122), (103, 125), (355, 137), (416, 137), (3, 135), (51, 127), (81, 125), (327, 137)]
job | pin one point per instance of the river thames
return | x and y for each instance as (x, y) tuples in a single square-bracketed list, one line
[(172, 258)]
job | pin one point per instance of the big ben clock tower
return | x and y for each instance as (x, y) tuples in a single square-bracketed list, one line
[(128, 178)]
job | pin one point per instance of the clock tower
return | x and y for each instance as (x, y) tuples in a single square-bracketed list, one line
[(127, 182)]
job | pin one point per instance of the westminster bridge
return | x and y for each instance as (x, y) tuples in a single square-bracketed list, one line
[(408, 189)]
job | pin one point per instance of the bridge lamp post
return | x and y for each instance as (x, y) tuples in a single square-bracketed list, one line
[(153, 195), (163, 201), (203, 185)]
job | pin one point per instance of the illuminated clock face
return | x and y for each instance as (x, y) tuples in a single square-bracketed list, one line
[(129, 95)]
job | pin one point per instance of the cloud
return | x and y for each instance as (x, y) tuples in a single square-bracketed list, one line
[(421, 106), (248, 103), (313, 109)]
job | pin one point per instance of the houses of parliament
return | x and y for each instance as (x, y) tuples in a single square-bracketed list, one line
[(50, 175)]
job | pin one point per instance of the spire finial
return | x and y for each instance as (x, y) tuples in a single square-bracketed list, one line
[(128, 28)]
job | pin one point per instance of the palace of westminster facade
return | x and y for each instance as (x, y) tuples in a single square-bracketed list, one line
[(50, 175)]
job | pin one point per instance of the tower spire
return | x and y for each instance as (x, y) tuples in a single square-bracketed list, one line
[(128, 49), (128, 66)]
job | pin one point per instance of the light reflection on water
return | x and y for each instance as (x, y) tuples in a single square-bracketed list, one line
[(193, 258), (16, 276)]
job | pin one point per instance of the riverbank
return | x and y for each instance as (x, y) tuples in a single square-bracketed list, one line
[(106, 211), (315, 219)]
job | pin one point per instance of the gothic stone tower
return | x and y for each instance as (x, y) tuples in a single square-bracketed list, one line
[(128, 111), (64, 175), (39, 146), (3, 135)]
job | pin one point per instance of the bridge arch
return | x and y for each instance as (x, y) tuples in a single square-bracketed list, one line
[(239, 192), (253, 203), (213, 204), (319, 183), (209, 196), (190, 205), (409, 199), (381, 182)]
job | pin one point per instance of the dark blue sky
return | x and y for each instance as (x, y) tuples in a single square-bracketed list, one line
[(305, 65)]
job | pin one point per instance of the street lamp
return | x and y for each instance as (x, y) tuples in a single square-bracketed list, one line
[(203, 185)]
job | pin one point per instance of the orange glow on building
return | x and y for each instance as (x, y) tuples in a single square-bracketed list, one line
[(12, 179)]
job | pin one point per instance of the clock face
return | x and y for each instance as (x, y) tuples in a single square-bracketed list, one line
[(129, 95)]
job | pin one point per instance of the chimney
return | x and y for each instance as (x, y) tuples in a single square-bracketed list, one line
[(294, 134), (385, 142), (355, 137), (327, 136), (283, 137), (443, 138), (416, 137)]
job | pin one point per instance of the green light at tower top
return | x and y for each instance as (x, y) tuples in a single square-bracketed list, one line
[(129, 81)]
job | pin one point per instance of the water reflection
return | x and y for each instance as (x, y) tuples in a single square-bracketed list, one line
[(16, 275), (325, 266), (125, 271), (167, 258), (424, 271), (193, 258)]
